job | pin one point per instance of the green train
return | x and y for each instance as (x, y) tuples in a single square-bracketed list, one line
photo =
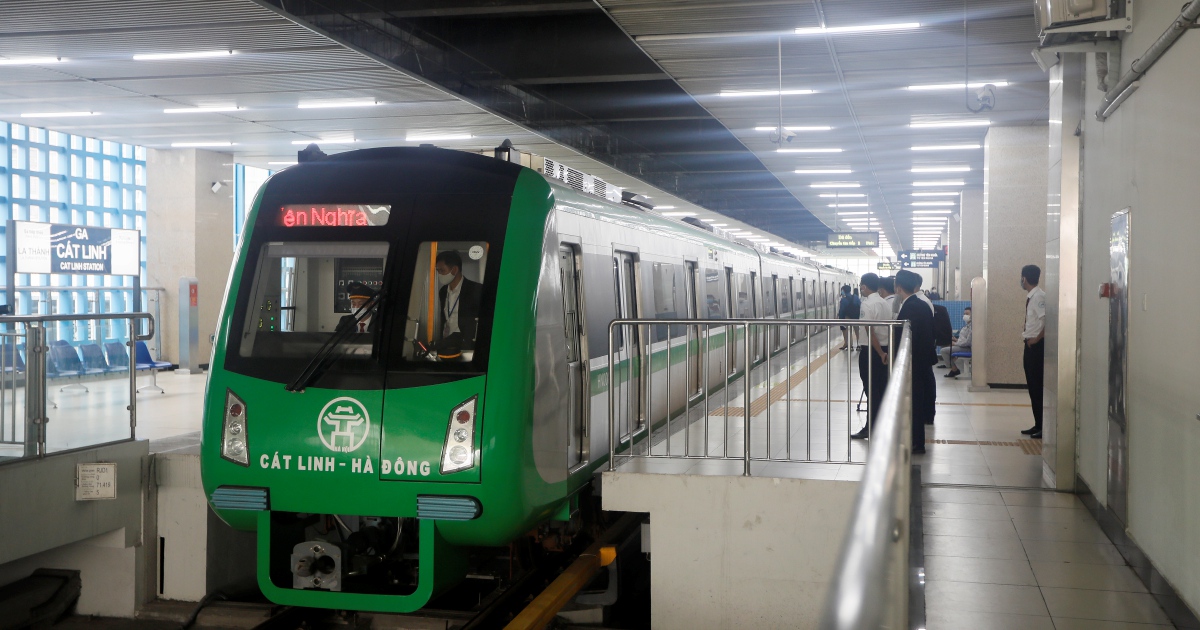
[(411, 362)]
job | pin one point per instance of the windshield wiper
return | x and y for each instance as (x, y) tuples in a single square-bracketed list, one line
[(320, 361)]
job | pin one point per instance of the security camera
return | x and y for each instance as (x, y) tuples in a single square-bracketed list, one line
[(787, 136), (216, 186), (985, 98)]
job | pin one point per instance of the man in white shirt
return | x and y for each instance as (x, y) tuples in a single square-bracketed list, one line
[(887, 290), (1035, 344), (873, 354)]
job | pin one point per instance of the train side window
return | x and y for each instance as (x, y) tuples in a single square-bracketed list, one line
[(714, 295), (667, 298), (769, 296), (444, 304), (743, 297)]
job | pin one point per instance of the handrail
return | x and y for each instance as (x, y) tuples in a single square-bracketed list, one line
[(870, 587), (83, 317)]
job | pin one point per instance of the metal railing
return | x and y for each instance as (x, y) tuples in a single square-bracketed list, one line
[(870, 585), (28, 384), (663, 413)]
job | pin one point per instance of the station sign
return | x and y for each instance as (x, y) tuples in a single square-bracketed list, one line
[(887, 266), (76, 249), (852, 239), (921, 258)]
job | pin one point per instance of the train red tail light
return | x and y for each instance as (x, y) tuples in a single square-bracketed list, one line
[(235, 445), (458, 452)]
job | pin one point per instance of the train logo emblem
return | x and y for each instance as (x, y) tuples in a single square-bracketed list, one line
[(343, 424)]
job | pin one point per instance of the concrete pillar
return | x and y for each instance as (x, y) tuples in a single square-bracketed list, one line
[(953, 258), (1014, 235), (1062, 271), (190, 229), (970, 224)]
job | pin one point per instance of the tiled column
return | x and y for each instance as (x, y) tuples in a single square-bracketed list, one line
[(191, 234), (970, 229), (1014, 235)]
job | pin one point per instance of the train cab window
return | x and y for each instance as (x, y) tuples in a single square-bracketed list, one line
[(445, 302), (304, 292)]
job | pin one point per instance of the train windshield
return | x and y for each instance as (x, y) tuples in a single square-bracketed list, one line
[(444, 305), (305, 291)]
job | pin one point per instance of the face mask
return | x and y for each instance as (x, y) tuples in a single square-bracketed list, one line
[(966, 318), (444, 279)]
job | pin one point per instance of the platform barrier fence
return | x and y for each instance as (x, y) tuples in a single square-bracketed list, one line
[(88, 390), (680, 389)]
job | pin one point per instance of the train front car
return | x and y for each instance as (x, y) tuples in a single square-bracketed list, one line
[(369, 406)]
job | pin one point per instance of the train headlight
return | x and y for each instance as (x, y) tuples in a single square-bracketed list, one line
[(458, 453), (234, 446)]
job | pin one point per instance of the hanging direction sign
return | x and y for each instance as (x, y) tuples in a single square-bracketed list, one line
[(887, 266), (920, 258), (852, 239)]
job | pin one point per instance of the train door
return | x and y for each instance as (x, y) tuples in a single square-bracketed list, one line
[(573, 332), (690, 286), (734, 312), (628, 349), (756, 336), (771, 303)]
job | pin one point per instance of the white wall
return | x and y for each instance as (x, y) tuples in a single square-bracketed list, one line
[(1145, 157)]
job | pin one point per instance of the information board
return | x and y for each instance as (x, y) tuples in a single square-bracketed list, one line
[(887, 266), (921, 258), (94, 482), (76, 249), (852, 239)]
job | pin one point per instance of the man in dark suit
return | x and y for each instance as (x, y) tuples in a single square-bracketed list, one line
[(460, 300), (924, 355), (359, 294)]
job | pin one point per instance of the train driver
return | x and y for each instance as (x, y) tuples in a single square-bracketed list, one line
[(360, 294), (459, 299)]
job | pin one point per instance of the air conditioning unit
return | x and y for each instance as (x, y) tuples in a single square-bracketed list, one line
[(1056, 13)]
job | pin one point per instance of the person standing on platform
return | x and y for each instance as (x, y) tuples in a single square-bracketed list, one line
[(924, 354), (873, 354), (1035, 343), (887, 290), (848, 308)]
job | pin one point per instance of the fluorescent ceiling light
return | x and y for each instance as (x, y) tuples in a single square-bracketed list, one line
[(823, 171), (430, 137), (935, 203), (946, 147), (30, 61), (932, 211), (201, 110), (737, 93), (664, 207), (950, 123), (758, 240), (936, 194), (709, 220), (835, 185), (332, 104), (816, 128), (719, 224), (846, 214), (57, 114), (281, 163), (678, 214), (955, 86), (941, 183), (187, 55), (201, 144), (841, 195), (849, 205), (808, 150), (864, 28), (941, 169), (329, 140)]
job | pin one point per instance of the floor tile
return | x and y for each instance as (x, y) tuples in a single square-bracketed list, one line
[(955, 495), (963, 547), (1050, 514), (1062, 623), (1082, 553), (1043, 499), (970, 528), (1068, 532), (1104, 605), (1087, 576), (984, 598), (961, 510), (979, 570), (960, 620)]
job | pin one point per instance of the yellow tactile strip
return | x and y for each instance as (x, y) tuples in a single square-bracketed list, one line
[(1030, 447), (778, 392)]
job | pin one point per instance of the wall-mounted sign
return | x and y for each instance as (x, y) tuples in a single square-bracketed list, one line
[(852, 239), (95, 482), (76, 249), (921, 258), (887, 266), (333, 215)]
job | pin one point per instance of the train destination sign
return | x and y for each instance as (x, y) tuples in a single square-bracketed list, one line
[(76, 249), (921, 258), (333, 215), (852, 239)]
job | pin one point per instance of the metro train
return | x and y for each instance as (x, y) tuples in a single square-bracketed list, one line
[(373, 446)]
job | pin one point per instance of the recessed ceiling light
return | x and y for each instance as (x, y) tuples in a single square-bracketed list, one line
[(941, 169), (829, 150), (758, 240), (841, 195), (935, 203), (30, 61), (737, 93), (849, 205), (281, 163), (865, 28), (709, 220), (332, 104), (941, 183), (57, 114), (432, 137), (664, 207), (678, 214), (946, 147), (815, 128), (719, 224), (950, 123), (932, 211), (823, 171), (856, 212), (936, 194), (955, 86), (324, 140), (187, 55), (201, 110), (201, 144), (835, 185)]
